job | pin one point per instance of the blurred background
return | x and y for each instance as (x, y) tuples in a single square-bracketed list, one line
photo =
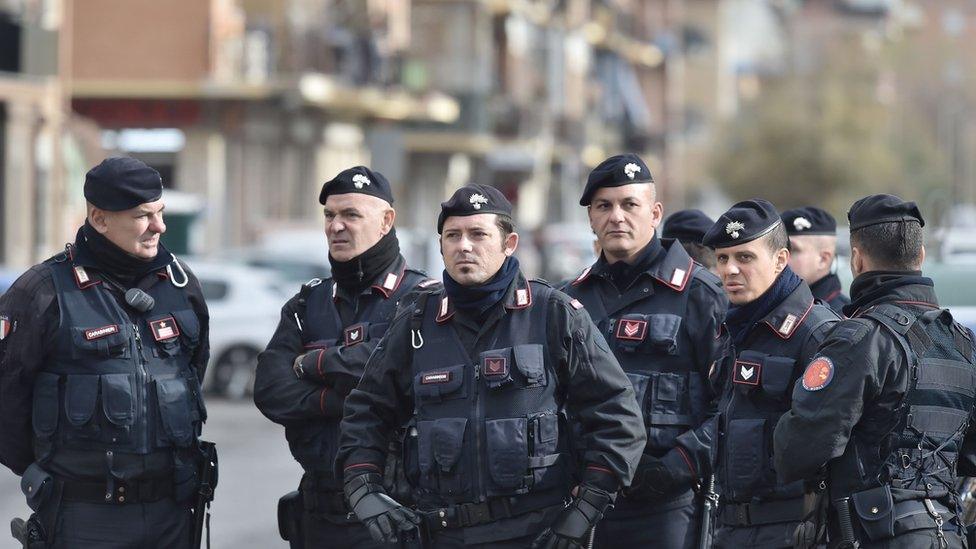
[(246, 106)]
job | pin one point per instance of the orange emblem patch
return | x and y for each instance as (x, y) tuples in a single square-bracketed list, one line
[(818, 374)]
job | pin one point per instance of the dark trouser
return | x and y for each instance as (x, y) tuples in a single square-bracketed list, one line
[(162, 524), (668, 527), (765, 536), (320, 533), (917, 539)]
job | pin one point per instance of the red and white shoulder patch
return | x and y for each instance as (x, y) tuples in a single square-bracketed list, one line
[(6, 327), (576, 303), (818, 374), (428, 283)]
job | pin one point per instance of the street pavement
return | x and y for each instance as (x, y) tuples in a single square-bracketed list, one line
[(255, 470)]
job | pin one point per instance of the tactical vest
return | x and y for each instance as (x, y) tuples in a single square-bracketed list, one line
[(761, 389), (118, 381), (655, 350), (314, 444), (920, 453), (486, 425)]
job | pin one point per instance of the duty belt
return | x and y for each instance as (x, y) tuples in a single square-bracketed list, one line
[(322, 494), (766, 512), (136, 491), (465, 515)]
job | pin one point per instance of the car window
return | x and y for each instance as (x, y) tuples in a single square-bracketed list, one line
[(214, 290)]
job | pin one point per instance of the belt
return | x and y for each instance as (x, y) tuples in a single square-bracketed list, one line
[(465, 515), (766, 512), (323, 494), (137, 491)]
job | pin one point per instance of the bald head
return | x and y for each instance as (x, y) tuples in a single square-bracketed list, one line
[(811, 256)]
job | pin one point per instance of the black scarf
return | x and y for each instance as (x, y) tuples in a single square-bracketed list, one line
[(827, 287), (623, 274), (115, 262), (359, 272), (480, 298), (741, 318), (872, 286)]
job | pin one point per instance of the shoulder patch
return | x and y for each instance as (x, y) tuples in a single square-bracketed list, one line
[(428, 283), (575, 303), (314, 282), (850, 330), (6, 327), (818, 374)]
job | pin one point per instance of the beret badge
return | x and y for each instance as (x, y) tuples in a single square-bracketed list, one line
[(631, 170), (359, 180), (733, 228), (477, 200), (802, 223)]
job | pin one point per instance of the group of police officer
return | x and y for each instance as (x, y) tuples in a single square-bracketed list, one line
[(646, 402)]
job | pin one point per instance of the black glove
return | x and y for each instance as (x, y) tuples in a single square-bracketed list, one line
[(383, 517), (314, 366), (658, 478), (572, 527)]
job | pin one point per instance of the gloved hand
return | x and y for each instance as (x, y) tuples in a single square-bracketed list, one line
[(383, 517), (314, 366), (571, 529), (657, 478)]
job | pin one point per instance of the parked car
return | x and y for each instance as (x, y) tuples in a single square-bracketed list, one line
[(7, 278), (244, 303)]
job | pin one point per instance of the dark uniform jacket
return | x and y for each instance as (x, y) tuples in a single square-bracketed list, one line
[(876, 385), (761, 374), (348, 328), (828, 289), (489, 397), (663, 329), (97, 385)]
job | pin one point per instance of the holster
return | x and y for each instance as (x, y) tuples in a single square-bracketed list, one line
[(291, 510), (874, 510), (43, 493)]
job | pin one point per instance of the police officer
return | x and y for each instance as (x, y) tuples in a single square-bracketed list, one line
[(813, 246), (316, 356), (102, 349), (773, 328), (689, 227), (486, 371), (886, 402), (660, 312)]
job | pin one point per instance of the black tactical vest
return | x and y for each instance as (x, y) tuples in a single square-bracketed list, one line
[(486, 425), (920, 453), (118, 381), (650, 340), (314, 443), (763, 373)]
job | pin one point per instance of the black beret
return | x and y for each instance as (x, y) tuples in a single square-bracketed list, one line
[(474, 199), (616, 171), (744, 222), (359, 179), (809, 220), (120, 183), (687, 225), (882, 208)]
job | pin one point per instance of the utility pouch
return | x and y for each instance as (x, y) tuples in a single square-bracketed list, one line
[(875, 512), (971, 535), (291, 509), (37, 486)]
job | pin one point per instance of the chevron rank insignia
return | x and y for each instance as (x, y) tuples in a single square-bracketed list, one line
[(632, 330), (355, 334), (746, 373)]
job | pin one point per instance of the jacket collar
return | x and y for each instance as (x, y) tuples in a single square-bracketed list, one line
[(786, 317), (673, 268), (386, 283), (827, 288), (518, 296)]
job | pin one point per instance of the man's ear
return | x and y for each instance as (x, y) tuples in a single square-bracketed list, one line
[(97, 218), (510, 244), (389, 216), (857, 261), (782, 259)]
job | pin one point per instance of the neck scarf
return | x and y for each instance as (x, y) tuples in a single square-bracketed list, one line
[(482, 297), (359, 272), (114, 261), (741, 318)]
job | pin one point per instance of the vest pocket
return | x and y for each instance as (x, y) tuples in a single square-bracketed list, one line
[(662, 333), (80, 396), (530, 363), (777, 376), (546, 464), (433, 386), (117, 402), (440, 443), (110, 341), (189, 325), (174, 413), (648, 334), (667, 416), (746, 454), (508, 452), (44, 416), (875, 511)]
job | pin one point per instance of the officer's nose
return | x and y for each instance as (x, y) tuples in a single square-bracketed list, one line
[(617, 215), (157, 225), (334, 227)]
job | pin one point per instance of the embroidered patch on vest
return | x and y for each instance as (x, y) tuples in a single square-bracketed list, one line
[(495, 366), (164, 328), (818, 374), (354, 334), (632, 330), (96, 333), (746, 373), (435, 377)]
